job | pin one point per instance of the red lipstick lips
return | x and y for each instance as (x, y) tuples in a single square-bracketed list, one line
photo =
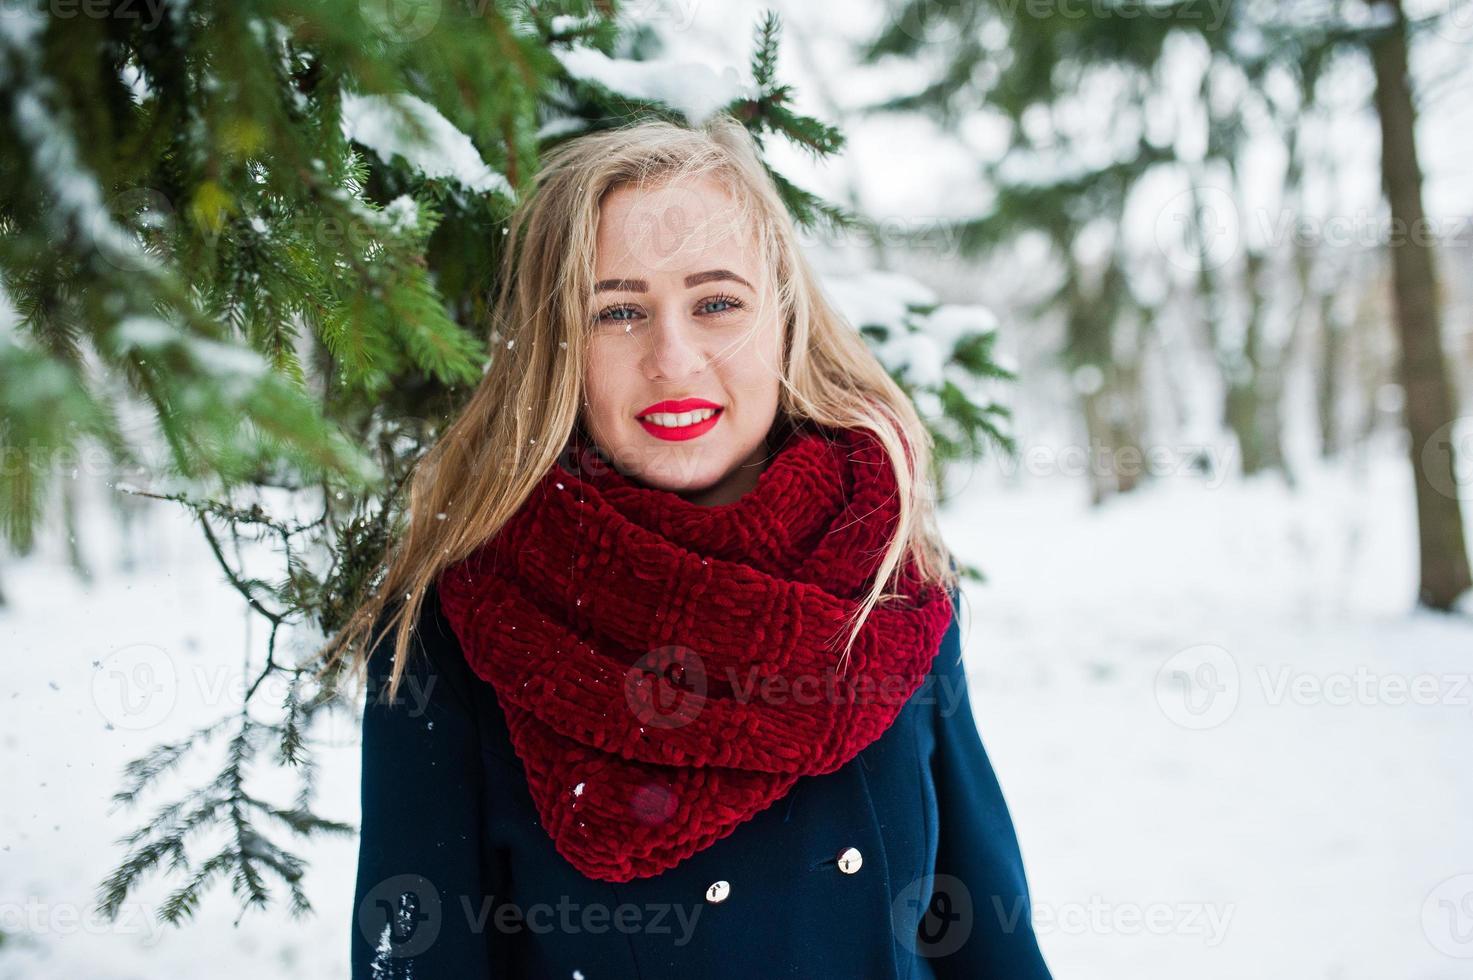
[(678, 433)]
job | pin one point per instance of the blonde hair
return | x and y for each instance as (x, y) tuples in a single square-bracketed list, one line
[(485, 465)]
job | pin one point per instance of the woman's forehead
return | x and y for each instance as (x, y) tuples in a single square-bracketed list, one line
[(683, 227)]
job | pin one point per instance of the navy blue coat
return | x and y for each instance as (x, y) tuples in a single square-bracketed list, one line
[(457, 880)]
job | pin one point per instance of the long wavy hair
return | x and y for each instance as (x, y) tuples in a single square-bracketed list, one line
[(487, 462)]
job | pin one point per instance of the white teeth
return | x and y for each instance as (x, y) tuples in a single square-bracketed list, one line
[(674, 421)]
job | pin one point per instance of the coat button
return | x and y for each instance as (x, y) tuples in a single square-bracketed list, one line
[(717, 891), (850, 859)]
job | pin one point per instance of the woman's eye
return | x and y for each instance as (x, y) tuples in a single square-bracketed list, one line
[(617, 314), (730, 302)]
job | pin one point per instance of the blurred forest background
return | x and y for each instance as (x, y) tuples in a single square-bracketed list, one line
[(1181, 288)]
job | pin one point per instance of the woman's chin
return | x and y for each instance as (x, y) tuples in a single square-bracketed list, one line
[(693, 475)]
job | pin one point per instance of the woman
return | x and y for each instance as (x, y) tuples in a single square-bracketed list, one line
[(670, 681)]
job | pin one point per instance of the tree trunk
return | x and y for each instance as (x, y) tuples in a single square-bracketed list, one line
[(1430, 409), (1333, 351), (1253, 394)]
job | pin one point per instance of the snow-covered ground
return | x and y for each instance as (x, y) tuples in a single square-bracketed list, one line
[(1230, 748)]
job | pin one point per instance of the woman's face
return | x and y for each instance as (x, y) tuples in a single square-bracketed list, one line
[(684, 353)]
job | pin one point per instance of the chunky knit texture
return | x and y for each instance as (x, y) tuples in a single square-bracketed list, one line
[(668, 670)]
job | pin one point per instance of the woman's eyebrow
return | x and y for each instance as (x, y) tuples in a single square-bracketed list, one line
[(694, 279)]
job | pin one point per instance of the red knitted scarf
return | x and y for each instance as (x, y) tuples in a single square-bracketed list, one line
[(668, 670)]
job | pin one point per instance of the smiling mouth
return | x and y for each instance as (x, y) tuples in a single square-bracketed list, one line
[(680, 426), (679, 420)]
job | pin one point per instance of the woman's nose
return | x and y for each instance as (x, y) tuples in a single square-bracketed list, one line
[(674, 350)]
